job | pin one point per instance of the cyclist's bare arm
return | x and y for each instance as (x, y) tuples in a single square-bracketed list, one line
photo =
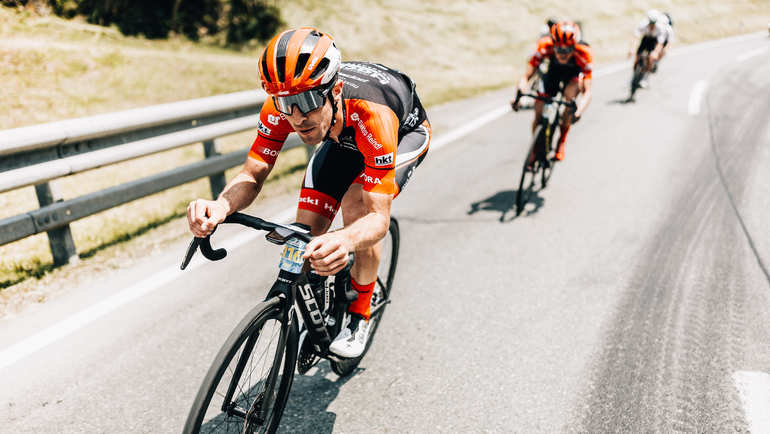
[(204, 215), (529, 71), (328, 253), (586, 98)]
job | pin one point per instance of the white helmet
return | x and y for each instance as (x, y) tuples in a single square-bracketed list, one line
[(653, 16)]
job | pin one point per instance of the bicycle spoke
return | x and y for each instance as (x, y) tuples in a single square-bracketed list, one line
[(249, 387)]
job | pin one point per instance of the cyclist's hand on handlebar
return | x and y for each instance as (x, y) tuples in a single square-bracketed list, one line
[(327, 253), (203, 216), (515, 103)]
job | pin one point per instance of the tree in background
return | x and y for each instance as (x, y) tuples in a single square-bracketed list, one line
[(239, 21)]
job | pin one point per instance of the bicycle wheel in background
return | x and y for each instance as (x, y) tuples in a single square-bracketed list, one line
[(528, 175), (381, 296), (638, 75), (253, 369)]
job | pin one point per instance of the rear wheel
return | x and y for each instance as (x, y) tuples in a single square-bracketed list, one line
[(247, 386), (381, 296)]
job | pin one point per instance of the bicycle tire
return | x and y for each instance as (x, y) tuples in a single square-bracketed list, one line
[(245, 337), (385, 275), (638, 75), (547, 165), (527, 181)]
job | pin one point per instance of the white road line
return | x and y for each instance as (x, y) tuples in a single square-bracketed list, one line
[(696, 96), (749, 54), (754, 391), (717, 43), (469, 127), (18, 351)]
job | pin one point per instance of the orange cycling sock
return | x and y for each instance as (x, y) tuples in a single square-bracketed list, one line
[(362, 305), (563, 135)]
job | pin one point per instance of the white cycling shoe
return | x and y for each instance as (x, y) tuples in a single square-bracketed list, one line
[(351, 341)]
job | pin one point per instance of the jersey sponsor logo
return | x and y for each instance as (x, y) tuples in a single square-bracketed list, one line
[(270, 152), (263, 129), (308, 200), (370, 179), (364, 131), (412, 119), (353, 77), (383, 160), (368, 71), (272, 119)]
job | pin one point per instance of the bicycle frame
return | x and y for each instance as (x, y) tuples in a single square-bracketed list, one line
[(550, 116)]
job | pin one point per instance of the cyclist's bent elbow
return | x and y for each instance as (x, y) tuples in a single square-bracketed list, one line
[(256, 170)]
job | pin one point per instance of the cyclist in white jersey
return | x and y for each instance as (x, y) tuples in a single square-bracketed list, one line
[(652, 36)]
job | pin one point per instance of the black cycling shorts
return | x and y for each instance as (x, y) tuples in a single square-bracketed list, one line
[(648, 44), (334, 168)]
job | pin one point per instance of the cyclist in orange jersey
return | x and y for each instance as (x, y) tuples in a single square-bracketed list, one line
[(570, 65), (373, 132)]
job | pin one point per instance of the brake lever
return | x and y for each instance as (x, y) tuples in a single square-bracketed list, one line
[(190, 252)]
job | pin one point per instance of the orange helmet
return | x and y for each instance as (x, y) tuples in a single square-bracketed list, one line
[(565, 33), (298, 60)]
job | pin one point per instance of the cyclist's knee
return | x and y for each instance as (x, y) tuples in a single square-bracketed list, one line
[(318, 224)]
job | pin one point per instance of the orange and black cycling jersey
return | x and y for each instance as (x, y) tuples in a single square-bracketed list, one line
[(582, 57), (380, 106)]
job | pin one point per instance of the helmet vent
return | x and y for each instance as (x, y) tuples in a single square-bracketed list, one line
[(281, 68), (264, 68), (301, 63), (322, 65)]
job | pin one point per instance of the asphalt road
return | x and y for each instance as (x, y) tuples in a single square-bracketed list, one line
[(628, 298)]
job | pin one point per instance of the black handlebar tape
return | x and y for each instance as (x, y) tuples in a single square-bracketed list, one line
[(210, 253)]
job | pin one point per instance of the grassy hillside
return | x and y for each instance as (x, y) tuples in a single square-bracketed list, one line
[(454, 48), (53, 69)]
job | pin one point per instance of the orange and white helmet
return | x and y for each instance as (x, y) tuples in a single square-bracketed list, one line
[(565, 33), (299, 60)]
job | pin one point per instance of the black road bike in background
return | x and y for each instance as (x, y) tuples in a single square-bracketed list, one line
[(541, 147), (247, 386), (640, 73)]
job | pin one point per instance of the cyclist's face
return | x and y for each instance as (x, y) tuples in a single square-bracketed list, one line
[(563, 58), (311, 127)]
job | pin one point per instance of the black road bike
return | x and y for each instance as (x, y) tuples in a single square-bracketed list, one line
[(640, 72), (247, 385), (541, 147)]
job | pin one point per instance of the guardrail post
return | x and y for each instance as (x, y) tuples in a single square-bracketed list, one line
[(60, 239), (217, 180)]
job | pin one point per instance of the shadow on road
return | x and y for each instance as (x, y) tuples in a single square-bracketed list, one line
[(309, 400), (504, 202), (622, 101)]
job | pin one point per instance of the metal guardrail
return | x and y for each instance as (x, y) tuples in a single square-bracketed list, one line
[(37, 154)]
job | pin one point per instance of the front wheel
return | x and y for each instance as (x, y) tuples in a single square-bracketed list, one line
[(639, 73), (381, 296), (247, 386), (529, 172)]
